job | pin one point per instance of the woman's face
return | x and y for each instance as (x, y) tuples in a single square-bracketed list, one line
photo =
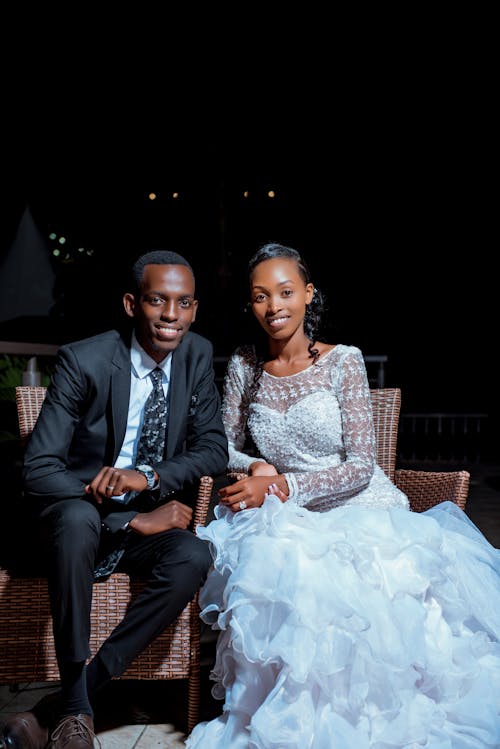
[(278, 295)]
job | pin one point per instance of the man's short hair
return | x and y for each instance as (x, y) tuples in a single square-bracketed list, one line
[(156, 257)]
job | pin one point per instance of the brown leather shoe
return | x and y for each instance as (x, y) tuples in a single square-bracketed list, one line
[(23, 731), (31, 729), (74, 732)]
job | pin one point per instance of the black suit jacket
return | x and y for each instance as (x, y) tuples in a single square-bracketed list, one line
[(83, 421)]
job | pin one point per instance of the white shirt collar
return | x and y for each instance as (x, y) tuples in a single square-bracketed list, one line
[(143, 364)]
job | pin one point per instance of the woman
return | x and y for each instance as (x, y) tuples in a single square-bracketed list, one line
[(347, 622)]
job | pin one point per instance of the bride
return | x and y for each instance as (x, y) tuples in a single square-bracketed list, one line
[(346, 620)]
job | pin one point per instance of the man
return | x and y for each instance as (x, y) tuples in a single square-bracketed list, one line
[(105, 502)]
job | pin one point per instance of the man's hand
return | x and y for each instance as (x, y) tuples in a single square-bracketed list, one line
[(173, 514), (113, 482)]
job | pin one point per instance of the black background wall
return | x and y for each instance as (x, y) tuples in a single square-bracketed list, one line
[(380, 157)]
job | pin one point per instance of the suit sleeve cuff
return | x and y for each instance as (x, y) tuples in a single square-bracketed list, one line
[(116, 521)]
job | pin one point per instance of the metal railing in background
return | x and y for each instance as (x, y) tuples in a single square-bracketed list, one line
[(433, 437), (44, 349), (441, 437), (28, 349), (379, 379)]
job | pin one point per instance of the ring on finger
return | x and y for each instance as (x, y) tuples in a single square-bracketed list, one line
[(242, 505), (110, 486)]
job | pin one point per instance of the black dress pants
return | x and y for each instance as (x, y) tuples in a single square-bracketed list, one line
[(173, 563)]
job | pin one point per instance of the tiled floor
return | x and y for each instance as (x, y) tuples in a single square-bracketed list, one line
[(152, 715), (133, 730), (129, 715)]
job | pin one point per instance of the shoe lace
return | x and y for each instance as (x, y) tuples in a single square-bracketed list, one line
[(73, 726)]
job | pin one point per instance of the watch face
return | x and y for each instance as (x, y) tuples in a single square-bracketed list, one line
[(149, 474)]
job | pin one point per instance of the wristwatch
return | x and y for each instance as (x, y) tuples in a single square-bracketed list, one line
[(149, 473)]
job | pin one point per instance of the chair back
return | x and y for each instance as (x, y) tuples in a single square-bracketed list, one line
[(29, 399), (386, 405)]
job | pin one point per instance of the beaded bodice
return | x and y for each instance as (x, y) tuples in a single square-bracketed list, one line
[(314, 426)]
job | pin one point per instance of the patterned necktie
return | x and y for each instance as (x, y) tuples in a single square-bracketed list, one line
[(152, 439), (149, 450)]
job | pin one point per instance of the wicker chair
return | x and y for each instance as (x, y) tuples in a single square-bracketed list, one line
[(423, 488), (26, 643)]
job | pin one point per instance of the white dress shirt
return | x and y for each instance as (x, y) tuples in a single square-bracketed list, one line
[(141, 385)]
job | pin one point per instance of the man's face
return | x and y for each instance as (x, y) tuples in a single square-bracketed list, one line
[(165, 309)]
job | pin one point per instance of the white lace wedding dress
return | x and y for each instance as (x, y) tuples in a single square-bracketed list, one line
[(346, 620)]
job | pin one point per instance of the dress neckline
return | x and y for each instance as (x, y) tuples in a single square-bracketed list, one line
[(306, 369)]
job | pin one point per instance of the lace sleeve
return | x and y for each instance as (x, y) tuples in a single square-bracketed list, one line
[(234, 410), (355, 471)]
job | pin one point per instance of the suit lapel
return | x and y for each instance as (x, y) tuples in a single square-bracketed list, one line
[(177, 398), (119, 396)]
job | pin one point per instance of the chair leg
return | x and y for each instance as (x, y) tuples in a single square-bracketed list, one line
[(193, 712), (193, 699)]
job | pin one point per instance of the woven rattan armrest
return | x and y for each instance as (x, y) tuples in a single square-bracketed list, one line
[(425, 489)]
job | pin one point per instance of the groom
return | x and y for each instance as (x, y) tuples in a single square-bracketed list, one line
[(103, 500)]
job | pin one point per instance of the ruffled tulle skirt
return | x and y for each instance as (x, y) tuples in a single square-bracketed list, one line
[(352, 629)]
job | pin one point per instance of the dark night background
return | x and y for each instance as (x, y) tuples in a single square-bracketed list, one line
[(382, 175)]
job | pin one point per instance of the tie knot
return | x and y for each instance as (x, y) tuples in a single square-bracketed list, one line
[(156, 374)]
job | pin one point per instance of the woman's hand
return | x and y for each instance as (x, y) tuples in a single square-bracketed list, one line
[(261, 468), (274, 489), (251, 491)]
